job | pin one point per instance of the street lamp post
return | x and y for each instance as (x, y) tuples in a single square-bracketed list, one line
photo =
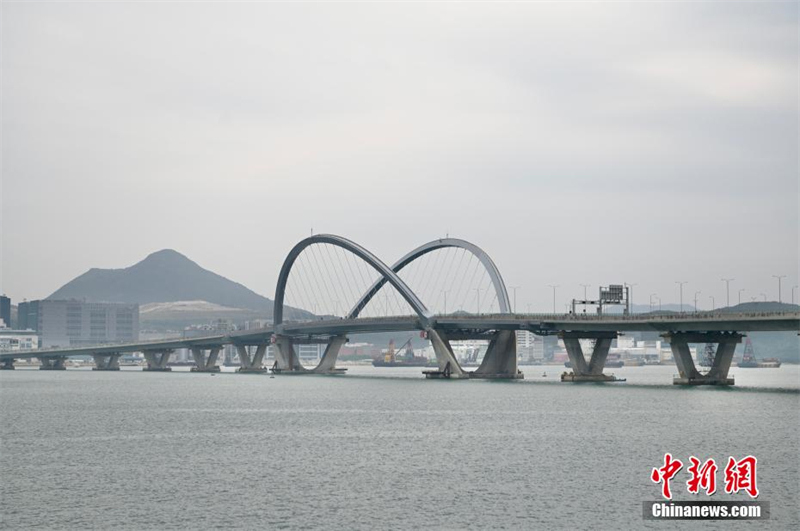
[(554, 296), (765, 297), (681, 283), (713, 303), (514, 289), (584, 289), (630, 296), (651, 301), (696, 293), (727, 282), (740, 295), (444, 292), (779, 277)]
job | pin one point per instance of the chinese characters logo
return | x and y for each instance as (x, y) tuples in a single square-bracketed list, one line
[(738, 475)]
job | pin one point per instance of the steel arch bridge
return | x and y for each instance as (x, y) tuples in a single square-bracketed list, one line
[(500, 360), (498, 327)]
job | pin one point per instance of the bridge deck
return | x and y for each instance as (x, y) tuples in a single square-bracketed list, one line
[(537, 323)]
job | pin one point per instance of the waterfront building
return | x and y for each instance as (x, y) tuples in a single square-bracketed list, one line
[(13, 340), (529, 347), (73, 323)]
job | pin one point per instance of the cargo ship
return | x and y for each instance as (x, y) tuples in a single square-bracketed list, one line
[(407, 359), (749, 360)]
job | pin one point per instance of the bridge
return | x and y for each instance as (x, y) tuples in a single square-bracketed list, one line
[(325, 274)]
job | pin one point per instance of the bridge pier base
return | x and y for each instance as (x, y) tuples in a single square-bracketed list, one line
[(500, 360), (287, 361), (687, 371), (593, 371), (449, 368), (327, 364), (205, 363), (7, 365), (157, 360), (106, 362), (53, 364), (254, 364)]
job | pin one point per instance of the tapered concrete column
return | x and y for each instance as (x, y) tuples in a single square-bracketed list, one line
[(7, 364), (687, 371), (53, 364), (254, 363), (286, 359), (106, 362), (328, 363), (157, 360), (500, 361), (592, 371), (448, 364), (203, 362)]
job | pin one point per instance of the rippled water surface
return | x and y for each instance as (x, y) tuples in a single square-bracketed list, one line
[(378, 448)]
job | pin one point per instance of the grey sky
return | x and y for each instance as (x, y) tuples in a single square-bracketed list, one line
[(576, 143)]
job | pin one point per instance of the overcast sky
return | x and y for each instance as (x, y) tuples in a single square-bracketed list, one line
[(576, 143)]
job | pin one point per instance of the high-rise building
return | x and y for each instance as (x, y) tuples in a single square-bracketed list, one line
[(73, 323), (529, 348), (5, 311)]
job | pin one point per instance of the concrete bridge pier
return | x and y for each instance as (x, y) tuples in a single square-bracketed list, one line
[(687, 371), (592, 371), (500, 360), (327, 364), (252, 364), (157, 360), (286, 359), (205, 363), (7, 365), (53, 364), (448, 364), (106, 362)]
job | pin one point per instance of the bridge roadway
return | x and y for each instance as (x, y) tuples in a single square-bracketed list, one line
[(678, 329)]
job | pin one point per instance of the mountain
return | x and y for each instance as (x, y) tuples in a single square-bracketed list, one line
[(164, 276)]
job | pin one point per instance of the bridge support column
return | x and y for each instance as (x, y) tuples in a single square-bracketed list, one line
[(205, 363), (53, 364), (157, 360), (327, 364), (448, 365), (593, 371), (7, 364), (106, 362), (286, 359), (500, 361), (687, 371), (254, 364)]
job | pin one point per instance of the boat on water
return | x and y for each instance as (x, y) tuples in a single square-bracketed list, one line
[(635, 362), (407, 359), (614, 364), (749, 360)]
